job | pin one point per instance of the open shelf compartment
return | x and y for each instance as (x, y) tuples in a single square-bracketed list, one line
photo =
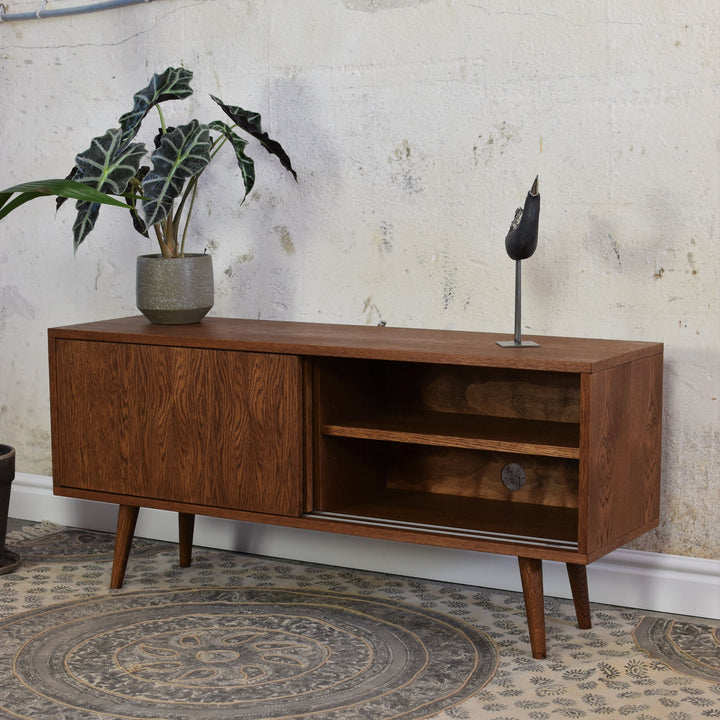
[(424, 448)]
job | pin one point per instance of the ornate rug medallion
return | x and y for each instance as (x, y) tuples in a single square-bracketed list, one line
[(255, 653), (686, 647)]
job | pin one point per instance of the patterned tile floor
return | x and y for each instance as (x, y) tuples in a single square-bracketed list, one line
[(629, 665)]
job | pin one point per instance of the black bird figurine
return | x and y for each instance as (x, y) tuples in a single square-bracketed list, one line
[(521, 243)]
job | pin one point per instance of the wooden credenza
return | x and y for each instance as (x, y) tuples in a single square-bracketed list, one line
[(425, 436)]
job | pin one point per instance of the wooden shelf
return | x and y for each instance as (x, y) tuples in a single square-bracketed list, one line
[(473, 432), (475, 518)]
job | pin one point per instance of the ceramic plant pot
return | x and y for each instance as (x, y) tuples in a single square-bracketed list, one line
[(174, 291), (8, 560)]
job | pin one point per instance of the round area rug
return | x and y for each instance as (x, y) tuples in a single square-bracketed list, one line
[(53, 543), (225, 653), (687, 647)]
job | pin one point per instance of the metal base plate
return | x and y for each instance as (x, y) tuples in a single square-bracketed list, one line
[(512, 343)]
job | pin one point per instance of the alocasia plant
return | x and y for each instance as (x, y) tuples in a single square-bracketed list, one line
[(160, 195)]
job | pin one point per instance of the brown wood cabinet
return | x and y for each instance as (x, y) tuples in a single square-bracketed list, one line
[(426, 436)]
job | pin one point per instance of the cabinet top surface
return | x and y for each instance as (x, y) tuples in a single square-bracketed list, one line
[(368, 342)]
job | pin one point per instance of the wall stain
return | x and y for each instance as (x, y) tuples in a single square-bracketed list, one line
[(494, 143), (12, 303), (448, 279), (448, 284), (285, 239), (406, 177), (383, 238), (403, 152), (616, 248), (246, 257), (659, 273), (370, 308), (98, 273)]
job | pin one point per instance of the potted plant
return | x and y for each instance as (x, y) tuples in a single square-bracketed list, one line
[(158, 188)]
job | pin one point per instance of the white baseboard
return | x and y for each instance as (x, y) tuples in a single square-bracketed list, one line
[(629, 578)]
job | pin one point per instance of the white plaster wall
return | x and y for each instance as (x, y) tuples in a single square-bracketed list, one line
[(416, 128)]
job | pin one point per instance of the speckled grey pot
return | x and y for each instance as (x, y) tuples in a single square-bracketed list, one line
[(174, 291)]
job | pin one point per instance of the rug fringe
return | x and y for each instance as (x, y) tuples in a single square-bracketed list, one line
[(31, 532)]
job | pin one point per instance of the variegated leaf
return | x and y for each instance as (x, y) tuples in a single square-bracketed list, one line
[(250, 122), (245, 163), (106, 166), (184, 152), (173, 84), (87, 215)]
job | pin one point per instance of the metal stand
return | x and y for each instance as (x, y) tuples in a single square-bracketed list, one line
[(517, 341)]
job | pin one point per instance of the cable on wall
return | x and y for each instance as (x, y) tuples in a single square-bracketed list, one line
[(42, 12)]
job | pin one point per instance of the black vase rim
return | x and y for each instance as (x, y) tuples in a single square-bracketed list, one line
[(6, 451)]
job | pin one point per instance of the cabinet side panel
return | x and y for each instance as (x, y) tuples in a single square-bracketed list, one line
[(621, 443), (209, 427)]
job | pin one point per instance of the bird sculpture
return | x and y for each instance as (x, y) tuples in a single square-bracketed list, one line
[(520, 244)]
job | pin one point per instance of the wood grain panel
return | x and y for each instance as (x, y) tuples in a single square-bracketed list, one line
[(346, 388), (447, 511), (550, 482), (531, 578), (348, 472), (620, 450), (575, 355), (530, 437), (198, 426), (494, 392)]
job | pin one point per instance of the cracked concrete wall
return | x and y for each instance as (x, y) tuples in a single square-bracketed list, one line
[(416, 128)]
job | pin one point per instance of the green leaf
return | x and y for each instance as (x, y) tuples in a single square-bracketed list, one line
[(136, 186), (250, 122), (245, 163), (108, 166), (173, 84), (184, 152), (60, 201), (7, 207), (87, 214), (53, 188)]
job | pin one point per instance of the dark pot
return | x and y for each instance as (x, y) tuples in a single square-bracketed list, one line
[(8, 560)]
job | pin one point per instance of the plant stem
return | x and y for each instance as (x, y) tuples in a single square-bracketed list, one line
[(163, 247), (162, 119), (187, 218), (191, 185), (219, 142), (170, 234)]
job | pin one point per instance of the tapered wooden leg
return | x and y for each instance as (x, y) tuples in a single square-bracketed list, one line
[(186, 527), (127, 517), (581, 597), (532, 584)]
